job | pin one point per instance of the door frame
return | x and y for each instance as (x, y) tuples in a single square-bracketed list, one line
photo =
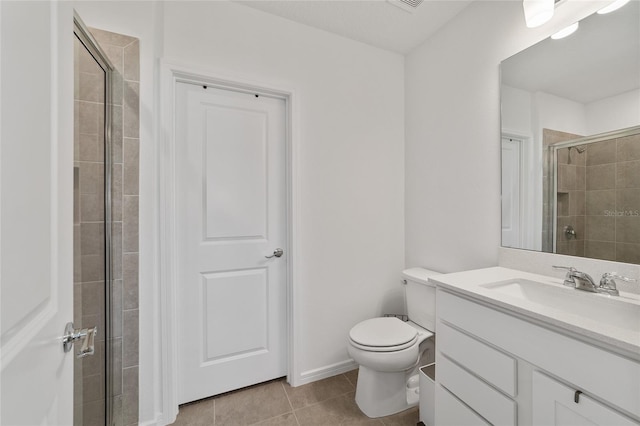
[(172, 73), (529, 214)]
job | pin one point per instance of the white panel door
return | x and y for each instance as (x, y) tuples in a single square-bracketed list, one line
[(511, 176), (231, 214), (554, 404), (36, 198)]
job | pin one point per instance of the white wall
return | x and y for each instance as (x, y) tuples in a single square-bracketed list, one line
[(520, 107), (350, 159), (613, 113), (556, 113), (452, 152), (515, 105)]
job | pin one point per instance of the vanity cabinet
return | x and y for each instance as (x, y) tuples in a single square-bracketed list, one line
[(498, 368), (554, 404)]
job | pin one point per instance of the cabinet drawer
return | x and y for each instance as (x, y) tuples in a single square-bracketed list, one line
[(497, 408), (451, 412), (494, 366)]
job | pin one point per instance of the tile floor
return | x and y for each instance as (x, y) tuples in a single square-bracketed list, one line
[(326, 402)]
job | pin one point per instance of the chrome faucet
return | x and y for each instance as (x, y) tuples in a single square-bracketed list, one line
[(583, 281), (578, 280)]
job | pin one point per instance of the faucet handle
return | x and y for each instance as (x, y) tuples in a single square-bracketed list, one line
[(568, 268), (608, 280), (569, 279)]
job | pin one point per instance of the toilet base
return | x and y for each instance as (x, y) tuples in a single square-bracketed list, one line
[(380, 394)]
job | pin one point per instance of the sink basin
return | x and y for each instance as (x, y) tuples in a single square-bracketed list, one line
[(616, 311)]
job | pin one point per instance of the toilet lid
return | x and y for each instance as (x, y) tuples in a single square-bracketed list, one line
[(382, 332)]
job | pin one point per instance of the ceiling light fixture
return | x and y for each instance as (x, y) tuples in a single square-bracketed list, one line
[(406, 5), (537, 12), (613, 6), (566, 31)]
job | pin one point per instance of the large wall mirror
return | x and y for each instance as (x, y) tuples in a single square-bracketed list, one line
[(571, 141)]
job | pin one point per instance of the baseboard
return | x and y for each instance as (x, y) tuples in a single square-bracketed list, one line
[(158, 421), (316, 374)]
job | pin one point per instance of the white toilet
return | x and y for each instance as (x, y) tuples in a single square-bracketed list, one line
[(388, 349)]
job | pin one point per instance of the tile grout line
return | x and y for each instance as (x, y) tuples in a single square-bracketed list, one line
[(289, 400), (133, 41), (320, 402), (323, 401), (350, 382)]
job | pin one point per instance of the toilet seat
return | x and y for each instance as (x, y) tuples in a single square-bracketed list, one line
[(387, 334)]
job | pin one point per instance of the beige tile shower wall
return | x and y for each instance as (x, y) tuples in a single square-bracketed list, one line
[(628, 199), (89, 303), (571, 202), (613, 200), (123, 52)]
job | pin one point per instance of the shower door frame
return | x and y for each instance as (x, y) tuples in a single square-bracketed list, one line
[(552, 196), (88, 41)]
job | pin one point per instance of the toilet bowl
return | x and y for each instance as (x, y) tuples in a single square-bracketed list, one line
[(388, 350)]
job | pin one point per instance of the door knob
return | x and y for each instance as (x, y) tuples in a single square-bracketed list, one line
[(72, 335), (277, 253)]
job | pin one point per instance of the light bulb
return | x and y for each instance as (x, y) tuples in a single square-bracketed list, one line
[(566, 31), (537, 12), (613, 6)]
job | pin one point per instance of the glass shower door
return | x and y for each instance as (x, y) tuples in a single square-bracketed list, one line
[(91, 229)]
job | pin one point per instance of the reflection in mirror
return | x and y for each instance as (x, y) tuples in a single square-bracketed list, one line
[(571, 141)]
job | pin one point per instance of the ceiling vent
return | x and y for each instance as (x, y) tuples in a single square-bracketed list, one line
[(406, 5)]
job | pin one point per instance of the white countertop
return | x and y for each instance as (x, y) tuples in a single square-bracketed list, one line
[(625, 341)]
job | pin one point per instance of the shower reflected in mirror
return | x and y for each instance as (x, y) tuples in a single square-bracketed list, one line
[(570, 150), (594, 195)]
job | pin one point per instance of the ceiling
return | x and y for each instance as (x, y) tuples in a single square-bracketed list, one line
[(375, 22), (601, 59)]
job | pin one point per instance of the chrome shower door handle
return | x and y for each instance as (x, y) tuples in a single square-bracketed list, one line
[(72, 335), (277, 253)]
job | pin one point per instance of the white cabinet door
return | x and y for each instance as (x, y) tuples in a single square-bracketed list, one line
[(554, 404), (231, 205), (36, 215)]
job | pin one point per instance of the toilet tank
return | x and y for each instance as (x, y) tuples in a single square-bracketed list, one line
[(420, 297)]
